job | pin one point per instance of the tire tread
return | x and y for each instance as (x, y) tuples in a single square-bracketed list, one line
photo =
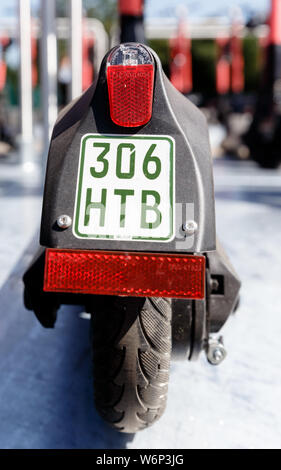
[(131, 358)]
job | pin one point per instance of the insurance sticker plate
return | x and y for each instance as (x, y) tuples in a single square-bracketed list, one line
[(125, 188)]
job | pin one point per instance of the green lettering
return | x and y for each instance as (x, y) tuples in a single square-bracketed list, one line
[(145, 208), (95, 205), (149, 158), (131, 172), (100, 158), (123, 193)]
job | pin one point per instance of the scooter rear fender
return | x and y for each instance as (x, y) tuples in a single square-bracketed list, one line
[(192, 320), (173, 115)]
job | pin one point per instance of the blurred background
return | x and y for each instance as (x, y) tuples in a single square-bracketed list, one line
[(214, 54), (226, 58)]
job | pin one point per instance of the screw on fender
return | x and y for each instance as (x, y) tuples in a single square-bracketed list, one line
[(64, 221), (190, 227)]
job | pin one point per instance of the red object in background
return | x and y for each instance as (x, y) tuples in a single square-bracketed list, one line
[(130, 7), (130, 89), (34, 70), (181, 65), (223, 76), (5, 41), (87, 61), (3, 74), (223, 66), (237, 59), (275, 23), (120, 273)]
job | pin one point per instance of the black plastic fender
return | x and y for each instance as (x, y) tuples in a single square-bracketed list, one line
[(173, 115)]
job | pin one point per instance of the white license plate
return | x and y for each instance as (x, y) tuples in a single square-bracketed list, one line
[(125, 188)]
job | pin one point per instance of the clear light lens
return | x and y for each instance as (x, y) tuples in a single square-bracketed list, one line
[(130, 54)]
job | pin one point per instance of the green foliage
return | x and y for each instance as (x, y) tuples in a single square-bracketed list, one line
[(251, 51), (104, 10), (62, 7), (203, 66), (161, 47), (11, 88), (63, 48)]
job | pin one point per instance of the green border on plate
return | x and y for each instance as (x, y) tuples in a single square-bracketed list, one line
[(80, 180)]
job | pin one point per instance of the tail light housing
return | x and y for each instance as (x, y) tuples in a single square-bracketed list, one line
[(129, 274), (130, 81)]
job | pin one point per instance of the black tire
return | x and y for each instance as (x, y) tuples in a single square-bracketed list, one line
[(131, 340)]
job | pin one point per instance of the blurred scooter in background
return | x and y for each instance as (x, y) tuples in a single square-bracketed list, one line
[(181, 61), (131, 21), (231, 103), (264, 135)]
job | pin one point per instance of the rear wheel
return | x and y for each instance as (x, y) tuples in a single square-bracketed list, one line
[(131, 340)]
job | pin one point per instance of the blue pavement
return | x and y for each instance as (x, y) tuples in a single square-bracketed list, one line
[(45, 375), (46, 386)]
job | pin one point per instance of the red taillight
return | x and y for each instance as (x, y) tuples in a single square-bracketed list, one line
[(129, 274), (130, 90), (130, 79)]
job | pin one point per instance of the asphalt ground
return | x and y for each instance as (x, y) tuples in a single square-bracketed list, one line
[(45, 375)]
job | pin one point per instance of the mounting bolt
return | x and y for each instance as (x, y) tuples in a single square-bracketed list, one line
[(216, 351), (64, 221), (189, 227)]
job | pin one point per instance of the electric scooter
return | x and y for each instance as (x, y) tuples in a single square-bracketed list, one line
[(128, 231)]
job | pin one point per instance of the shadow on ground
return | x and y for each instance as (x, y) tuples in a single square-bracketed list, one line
[(46, 397)]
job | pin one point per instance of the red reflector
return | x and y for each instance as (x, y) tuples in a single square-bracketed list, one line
[(120, 273), (130, 89)]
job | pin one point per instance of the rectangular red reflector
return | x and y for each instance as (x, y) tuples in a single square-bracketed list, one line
[(122, 273)]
